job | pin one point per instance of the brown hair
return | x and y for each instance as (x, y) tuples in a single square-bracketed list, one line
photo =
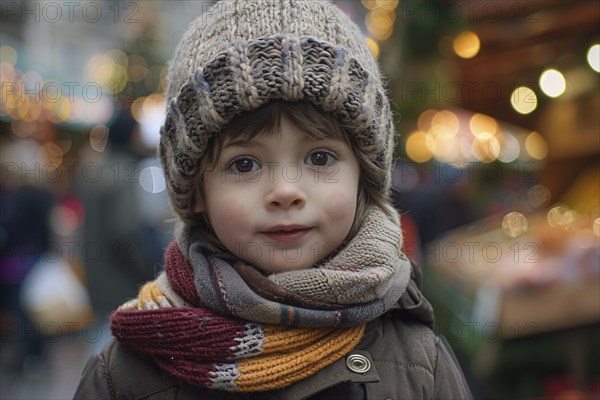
[(317, 125)]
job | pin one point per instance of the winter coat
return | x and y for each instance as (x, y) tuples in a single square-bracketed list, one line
[(399, 357)]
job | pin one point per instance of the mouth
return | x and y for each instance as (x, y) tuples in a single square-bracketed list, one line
[(286, 233)]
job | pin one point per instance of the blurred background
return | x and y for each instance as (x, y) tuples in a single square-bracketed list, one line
[(497, 179)]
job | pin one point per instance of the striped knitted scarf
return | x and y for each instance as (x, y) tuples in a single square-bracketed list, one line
[(226, 326)]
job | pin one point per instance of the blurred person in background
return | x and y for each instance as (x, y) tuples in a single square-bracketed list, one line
[(119, 247), (24, 237)]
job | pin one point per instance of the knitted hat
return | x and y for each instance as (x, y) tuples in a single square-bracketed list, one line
[(242, 54)]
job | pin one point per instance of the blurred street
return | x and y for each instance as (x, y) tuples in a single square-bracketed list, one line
[(53, 377)]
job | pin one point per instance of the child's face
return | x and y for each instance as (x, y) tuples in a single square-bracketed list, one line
[(284, 201)]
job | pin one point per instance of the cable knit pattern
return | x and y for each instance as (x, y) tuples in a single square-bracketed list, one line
[(242, 54), (362, 272)]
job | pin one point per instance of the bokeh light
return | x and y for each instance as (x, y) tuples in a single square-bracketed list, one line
[(374, 46), (445, 149), (152, 180), (552, 83), (99, 138), (593, 57), (466, 44), (536, 146), (538, 196), (509, 147), (482, 126), (389, 5), (424, 121), (380, 23), (369, 4), (561, 216), (416, 147), (514, 224), (23, 129), (523, 100), (486, 149), (445, 124)]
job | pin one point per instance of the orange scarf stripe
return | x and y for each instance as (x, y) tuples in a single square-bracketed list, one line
[(150, 293), (272, 372), (279, 339)]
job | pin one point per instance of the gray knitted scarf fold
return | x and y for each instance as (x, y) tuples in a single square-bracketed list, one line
[(363, 280)]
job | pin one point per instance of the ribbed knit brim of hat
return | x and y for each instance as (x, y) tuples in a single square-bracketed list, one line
[(242, 54)]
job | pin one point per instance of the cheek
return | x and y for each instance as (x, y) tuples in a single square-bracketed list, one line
[(341, 204), (228, 216)]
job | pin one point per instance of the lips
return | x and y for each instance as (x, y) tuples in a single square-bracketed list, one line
[(286, 233)]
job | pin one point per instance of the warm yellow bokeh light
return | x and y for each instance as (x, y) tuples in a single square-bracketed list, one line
[(466, 44), (380, 23), (424, 121), (485, 150), (63, 110), (593, 57), (109, 70), (369, 4), (416, 147), (445, 124), (523, 100), (483, 126), (99, 68), (389, 5), (553, 83), (444, 148), (514, 224), (119, 57), (152, 103), (536, 146), (137, 110), (374, 46)]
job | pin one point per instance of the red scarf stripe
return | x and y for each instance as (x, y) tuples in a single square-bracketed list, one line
[(180, 274), (189, 333), (188, 371)]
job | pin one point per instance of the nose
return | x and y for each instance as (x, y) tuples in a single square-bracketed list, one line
[(284, 194)]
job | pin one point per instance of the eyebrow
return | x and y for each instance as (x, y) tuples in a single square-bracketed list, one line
[(258, 142), (241, 142)]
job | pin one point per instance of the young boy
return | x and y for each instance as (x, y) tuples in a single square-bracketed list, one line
[(286, 279)]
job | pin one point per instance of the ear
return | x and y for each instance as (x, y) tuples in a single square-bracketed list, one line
[(198, 205)]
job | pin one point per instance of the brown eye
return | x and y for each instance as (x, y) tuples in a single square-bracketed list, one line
[(320, 158), (244, 165)]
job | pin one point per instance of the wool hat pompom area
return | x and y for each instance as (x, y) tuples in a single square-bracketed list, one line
[(242, 54)]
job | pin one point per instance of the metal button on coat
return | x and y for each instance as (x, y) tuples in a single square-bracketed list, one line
[(358, 363)]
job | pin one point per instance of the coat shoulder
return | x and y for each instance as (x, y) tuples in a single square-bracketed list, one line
[(404, 350), (408, 351), (116, 373)]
